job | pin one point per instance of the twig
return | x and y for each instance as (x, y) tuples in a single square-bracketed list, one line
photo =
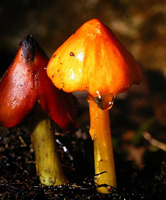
[(154, 142), (23, 144)]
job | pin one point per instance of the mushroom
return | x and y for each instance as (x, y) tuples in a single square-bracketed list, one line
[(93, 59), (25, 89)]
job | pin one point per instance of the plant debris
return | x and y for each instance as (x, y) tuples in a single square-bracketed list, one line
[(18, 178)]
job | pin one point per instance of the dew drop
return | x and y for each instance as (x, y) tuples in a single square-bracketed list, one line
[(104, 102)]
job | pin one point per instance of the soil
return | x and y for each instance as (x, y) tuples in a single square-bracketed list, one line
[(18, 178)]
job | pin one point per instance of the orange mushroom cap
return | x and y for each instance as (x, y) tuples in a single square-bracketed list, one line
[(93, 59), (25, 82)]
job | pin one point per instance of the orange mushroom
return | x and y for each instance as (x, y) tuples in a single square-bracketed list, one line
[(93, 59), (25, 88)]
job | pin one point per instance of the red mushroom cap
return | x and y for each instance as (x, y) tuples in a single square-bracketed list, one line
[(26, 82)]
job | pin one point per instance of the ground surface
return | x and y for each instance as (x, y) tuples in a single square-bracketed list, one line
[(140, 167)]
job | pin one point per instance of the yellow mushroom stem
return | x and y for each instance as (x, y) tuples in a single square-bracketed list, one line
[(48, 165), (103, 151)]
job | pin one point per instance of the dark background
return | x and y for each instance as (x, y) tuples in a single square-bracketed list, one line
[(140, 25)]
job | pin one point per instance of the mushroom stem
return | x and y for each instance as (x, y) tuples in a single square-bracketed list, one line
[(103, 150), (48, 165)]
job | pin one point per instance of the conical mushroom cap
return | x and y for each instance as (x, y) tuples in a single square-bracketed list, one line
[(93, 59), (26, 82)]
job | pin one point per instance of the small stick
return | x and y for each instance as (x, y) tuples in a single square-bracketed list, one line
[(154, 142)]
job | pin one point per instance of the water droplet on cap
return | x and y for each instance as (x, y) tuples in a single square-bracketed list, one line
[(104, 102)]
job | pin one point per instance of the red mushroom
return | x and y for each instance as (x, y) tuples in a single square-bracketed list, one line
[(93, 59), (26, 88)]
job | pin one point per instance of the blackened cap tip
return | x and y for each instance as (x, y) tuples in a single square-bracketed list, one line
[(28, 46)]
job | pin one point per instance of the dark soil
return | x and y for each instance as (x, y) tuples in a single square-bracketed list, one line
[(18, 179)]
